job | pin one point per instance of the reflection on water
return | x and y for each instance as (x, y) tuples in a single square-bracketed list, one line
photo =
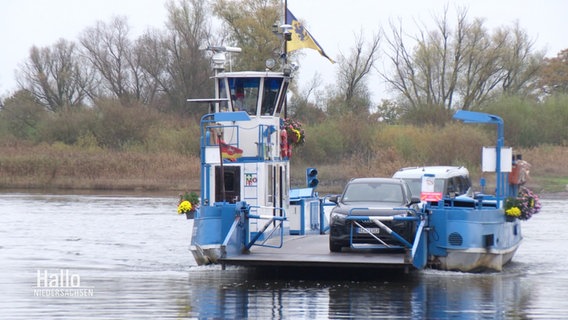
[(431, 295), (133, 253)]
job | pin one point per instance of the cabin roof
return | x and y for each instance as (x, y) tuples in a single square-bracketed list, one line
[(250, 74), (443, 172)]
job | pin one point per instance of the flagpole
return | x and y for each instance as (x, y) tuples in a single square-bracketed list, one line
[(285, 22), (221, 168), (285, 56)]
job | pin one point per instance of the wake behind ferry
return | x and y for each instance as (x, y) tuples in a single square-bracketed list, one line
[(249, 215)]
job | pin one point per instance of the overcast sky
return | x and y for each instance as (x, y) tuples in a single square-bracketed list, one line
[(334, 24)]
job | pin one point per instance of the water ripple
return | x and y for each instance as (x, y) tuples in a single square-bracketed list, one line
[(133, 253)]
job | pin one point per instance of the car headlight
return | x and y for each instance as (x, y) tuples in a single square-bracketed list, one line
[(338, 216)]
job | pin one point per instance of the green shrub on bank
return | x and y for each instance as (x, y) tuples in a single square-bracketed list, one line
[(66, 126), (20, 116), (529, 124), (363, 140), (453, 144), (119, 127), (323, 142), (110, 146), (555, 112), (368, 141), (337, 138), (179, 136)]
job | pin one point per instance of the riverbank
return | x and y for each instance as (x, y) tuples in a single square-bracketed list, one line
[(60, 167)]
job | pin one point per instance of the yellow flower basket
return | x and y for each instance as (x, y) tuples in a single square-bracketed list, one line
[(184, 206), (513, 212)]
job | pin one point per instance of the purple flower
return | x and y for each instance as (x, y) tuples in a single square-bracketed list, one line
[(527, 201)]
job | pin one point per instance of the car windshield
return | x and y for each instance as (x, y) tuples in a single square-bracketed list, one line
[(373, 192), (416, 186)]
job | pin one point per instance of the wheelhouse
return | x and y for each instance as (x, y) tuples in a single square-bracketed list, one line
[(257, 93)]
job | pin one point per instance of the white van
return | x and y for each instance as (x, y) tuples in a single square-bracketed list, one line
[(451, 181)]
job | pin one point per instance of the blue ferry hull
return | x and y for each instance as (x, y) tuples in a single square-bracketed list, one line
[(469, 239)]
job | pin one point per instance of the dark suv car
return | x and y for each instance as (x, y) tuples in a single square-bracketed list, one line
[(387, 197)]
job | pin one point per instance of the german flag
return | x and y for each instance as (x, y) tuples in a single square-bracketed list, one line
[(229, 152)]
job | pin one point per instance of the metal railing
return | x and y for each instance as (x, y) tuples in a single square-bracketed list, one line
[(278, 222), (324, 203), (378, 220)]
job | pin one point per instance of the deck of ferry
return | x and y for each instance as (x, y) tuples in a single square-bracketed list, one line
[(313, 251)]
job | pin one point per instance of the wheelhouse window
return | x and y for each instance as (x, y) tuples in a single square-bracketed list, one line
[(270, 95), (223, 106), (244, 94)]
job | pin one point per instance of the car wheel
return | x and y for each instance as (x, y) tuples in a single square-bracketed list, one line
[(334, 247)]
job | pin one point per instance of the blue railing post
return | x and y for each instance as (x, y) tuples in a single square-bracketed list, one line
[(479, 117)]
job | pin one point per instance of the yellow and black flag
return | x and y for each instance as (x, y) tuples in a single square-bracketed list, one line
[(301, 38)]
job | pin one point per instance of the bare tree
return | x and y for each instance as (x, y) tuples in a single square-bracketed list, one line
[(353, 70), (480, 73), (460, 66), (53, 75), (249, 24), (109, 49), (173, 61), (303, 102), (428, 74), (404, 79), (152, 59), (521, 63), (553, 76)]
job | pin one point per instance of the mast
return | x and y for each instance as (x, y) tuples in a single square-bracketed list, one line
[(285, 56), (285, 22)]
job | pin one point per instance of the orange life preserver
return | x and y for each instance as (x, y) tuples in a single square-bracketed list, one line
[(514, 175)]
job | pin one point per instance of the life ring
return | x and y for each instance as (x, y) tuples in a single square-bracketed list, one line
[(284, 144)]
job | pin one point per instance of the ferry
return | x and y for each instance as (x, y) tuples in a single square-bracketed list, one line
[(250, 215)]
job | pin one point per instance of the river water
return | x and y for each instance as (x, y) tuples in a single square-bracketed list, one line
[(127, 257)]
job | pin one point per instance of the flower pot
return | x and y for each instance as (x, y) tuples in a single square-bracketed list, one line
[(510, 218), (189, 214)]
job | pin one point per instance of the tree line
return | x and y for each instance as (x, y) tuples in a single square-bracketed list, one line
[(456, 64), (159, 69)]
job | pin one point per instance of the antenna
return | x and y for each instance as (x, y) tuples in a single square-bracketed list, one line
[(219, 56)]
